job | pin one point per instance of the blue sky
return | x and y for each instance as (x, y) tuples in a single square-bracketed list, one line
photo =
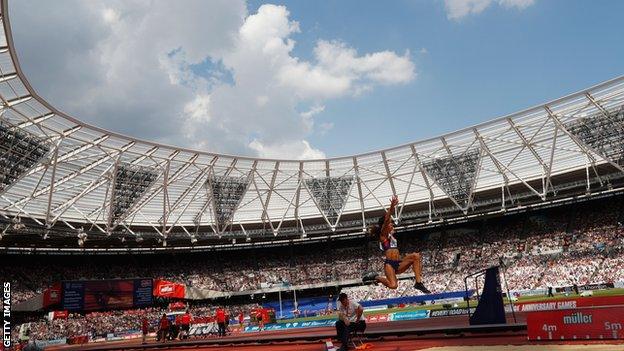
[(479, 67), (467, 68)]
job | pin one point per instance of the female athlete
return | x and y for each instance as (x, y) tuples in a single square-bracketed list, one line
[(393, 263)]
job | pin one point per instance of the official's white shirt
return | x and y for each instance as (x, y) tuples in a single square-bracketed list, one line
[(350, 311)]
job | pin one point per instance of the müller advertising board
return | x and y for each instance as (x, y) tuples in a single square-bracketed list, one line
[(586, 323)]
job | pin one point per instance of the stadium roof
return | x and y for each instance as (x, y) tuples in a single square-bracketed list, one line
[(59, 171)]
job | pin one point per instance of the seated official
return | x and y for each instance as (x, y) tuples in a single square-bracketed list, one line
[(349, 319)]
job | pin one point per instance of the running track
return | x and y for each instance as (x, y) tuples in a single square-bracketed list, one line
[(260, 341), (321, 332)]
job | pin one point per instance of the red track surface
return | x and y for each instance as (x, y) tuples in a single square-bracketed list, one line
[(387, 344), (260, 341), (265, 336)]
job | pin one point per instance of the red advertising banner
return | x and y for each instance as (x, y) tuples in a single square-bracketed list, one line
[(375, 318), (178, 305), (52, 295), (60, 314), (202, 320), (586, 323), (571, 303), (165, 288), (235, 329)]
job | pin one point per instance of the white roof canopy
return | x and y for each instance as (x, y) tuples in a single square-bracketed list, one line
[(107, 180)]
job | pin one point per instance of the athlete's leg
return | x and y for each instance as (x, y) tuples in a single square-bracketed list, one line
[(390, 280), (414, 260), (417, 267)]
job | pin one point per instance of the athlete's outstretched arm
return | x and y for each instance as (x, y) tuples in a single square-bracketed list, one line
[(387, 225)]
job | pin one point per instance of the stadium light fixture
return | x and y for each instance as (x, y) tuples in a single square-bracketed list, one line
[(17, 223), (46, 233), (82, 237)]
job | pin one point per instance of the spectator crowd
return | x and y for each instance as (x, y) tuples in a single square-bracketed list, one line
[(100, 324), (581, 244)]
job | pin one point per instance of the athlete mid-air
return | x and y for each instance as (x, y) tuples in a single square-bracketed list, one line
[(393, 263)]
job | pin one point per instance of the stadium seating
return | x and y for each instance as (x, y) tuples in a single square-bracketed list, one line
[(558, 247), (553, 248)]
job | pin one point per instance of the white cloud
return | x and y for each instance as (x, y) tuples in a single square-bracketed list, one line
[(340, 71), (111, 58), (262, 100), (380, 67), (295, 149), (110, 16), (276, 83), (315, 110), (203, 74), (457, 9), (308, 116), (313, 82), (198, 108), (520, 4), (325, 127)]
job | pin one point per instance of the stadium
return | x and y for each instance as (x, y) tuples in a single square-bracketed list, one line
[(523, 215)]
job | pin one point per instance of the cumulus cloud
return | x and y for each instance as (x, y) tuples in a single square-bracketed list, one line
[(207, 75), (457, 9), (325, 127), (308, 116), (292, 149), (315, 110)]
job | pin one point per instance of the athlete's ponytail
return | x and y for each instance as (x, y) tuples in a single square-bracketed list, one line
[(375, 229)]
